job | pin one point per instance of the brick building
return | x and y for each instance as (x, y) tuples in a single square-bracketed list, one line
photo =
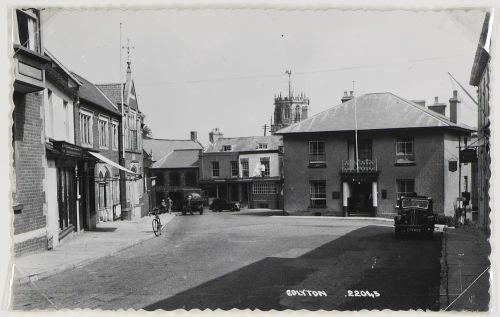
[(133, 204), (402, 147), (480, 77), (245, 169), (28, 140), (97, 129)]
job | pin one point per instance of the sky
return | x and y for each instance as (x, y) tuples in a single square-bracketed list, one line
[(195, 70)]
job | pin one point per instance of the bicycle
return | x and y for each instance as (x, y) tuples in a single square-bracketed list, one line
[(156, 224)]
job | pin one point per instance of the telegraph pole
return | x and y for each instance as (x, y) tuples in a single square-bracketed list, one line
[(355, 128), (265, 126)]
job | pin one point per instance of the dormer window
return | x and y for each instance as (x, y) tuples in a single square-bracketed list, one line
[(226, 148), (262, 146), (28, 34)]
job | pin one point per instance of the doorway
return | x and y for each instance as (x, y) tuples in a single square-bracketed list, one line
[(360, 203)]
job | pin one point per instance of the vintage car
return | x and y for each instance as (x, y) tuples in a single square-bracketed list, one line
[(221, 204), (415, 214)]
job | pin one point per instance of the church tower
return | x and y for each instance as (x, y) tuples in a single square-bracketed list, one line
[(289, 109)]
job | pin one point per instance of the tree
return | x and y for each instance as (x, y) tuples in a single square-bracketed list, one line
[(146, 132)]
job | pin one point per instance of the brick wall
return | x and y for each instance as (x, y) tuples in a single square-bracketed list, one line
[(29, 153), (427, 172)]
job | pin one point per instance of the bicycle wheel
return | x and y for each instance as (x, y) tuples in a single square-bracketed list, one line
[(156, 227)]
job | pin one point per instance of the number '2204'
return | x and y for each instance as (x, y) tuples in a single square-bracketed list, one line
[(372, 294)]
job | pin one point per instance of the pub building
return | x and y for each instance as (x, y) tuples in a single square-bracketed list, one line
[(357, 158)]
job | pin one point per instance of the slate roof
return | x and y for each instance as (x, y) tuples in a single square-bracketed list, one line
[(162, 147), (250, 143), (112, 91), (179, 159), (89, 92), (374, 111)]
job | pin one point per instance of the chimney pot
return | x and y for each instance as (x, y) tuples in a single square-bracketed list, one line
[(436, 99), (352, 93), (194, 135), (455, 94), (345, 93)]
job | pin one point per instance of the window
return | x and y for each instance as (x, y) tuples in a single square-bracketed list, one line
[(244, 168), (86, 128), (66, 120), (234, 169), (226, 148), (103, 132), (265, 161), (404, 151), (317, 152), (114, 131), (132, 124), (215, 169), (175, 179), (262, 146), (264, 188), (317, 190), (28, 30), (405, 187)]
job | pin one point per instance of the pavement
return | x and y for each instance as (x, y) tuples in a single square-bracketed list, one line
[(107, 239), (465, 274)]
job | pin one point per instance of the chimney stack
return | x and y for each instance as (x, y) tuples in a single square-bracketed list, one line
[(194, 136), (454, 110), (438, 107), (347, 97)]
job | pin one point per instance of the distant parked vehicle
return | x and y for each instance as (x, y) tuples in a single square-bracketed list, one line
[(222, 204), (415, 214), (193, 202)]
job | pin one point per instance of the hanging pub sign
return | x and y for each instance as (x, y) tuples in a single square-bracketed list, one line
[(452, 166), (468, 156)]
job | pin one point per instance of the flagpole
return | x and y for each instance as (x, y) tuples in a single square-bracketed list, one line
[(355, 128), (121, 95)]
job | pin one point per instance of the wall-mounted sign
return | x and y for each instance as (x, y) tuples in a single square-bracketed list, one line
[(452, 166), (468, 156)]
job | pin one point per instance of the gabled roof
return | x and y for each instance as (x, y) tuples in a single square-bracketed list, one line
[(482, 55), (243, 144), (178, 159), (112, 91), (375, 111), (162, 147), (61, 66), (89, 92)]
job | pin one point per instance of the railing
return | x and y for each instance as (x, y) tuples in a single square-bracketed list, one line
[(349, 166)]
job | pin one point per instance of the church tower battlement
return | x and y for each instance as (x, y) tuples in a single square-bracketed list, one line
[(289, 109)]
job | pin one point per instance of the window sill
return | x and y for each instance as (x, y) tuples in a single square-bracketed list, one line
[(405, 164), (316, 165), (316, 207), (89, 146)]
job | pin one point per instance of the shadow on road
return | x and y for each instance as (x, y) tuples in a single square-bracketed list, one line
[(404, 271)]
